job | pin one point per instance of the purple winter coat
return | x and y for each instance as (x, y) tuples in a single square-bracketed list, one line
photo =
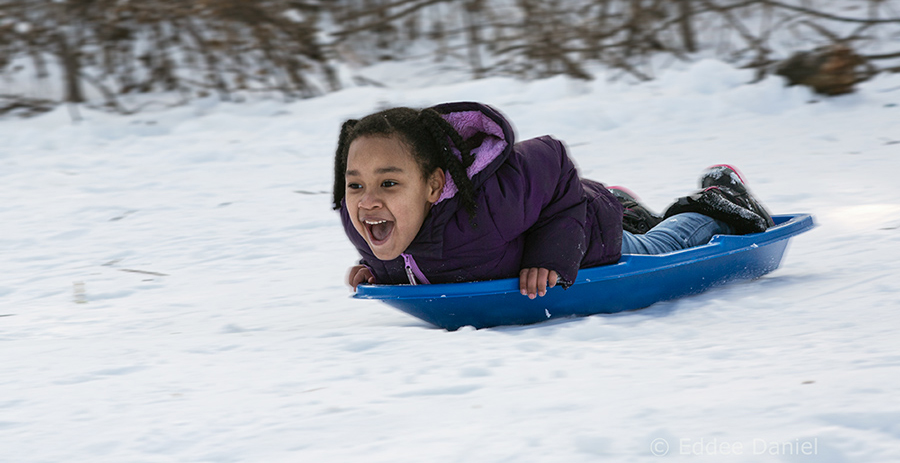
[(532, 210)]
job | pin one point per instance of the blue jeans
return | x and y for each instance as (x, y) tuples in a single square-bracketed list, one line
[(677, 232)]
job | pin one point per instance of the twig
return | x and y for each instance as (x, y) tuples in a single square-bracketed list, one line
[(145, 272)]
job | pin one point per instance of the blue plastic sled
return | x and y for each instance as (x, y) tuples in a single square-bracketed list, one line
[(634, 282)]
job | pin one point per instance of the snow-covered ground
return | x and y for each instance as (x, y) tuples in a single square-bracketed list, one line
[(171, 289)]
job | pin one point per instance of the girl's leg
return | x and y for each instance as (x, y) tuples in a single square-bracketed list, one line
[(677, 232)]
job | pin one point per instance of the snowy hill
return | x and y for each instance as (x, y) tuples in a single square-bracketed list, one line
[(172, 289)]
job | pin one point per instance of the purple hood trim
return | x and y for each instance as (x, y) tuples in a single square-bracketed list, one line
[(469, 123)]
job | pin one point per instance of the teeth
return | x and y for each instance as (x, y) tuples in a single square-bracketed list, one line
[(375, 222)]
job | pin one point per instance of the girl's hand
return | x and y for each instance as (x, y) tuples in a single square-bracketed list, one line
[(360, 274), (533, 281)]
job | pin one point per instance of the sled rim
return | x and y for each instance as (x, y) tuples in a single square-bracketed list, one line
[(786, 227)]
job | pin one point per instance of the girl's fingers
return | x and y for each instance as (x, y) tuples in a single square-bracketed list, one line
[(523, 281), (366, 276), (355, 279), (542, 281), (359, 274), (528, 282), (351, 275), (533, 282)]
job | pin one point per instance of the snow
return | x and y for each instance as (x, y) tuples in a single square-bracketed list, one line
[(172, 288)]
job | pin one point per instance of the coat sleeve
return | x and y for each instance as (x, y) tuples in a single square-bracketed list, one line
[(542, 199)]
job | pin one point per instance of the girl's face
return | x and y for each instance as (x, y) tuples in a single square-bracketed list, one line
[(387, 197)]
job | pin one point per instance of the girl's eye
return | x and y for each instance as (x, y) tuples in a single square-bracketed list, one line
[(354, 186), (388, 183)]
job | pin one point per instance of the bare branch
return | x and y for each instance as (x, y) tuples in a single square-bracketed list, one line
[(882, 56), (387, 19), (832, 17)]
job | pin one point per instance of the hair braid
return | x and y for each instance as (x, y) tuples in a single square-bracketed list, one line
[(441, 130), (437, 125), (340, 163)]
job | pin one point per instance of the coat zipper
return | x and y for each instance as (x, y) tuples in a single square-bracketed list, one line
[(409, 274), (412, 270), (409, 271)]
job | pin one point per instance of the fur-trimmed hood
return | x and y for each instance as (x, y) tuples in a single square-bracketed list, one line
[(477, 120)]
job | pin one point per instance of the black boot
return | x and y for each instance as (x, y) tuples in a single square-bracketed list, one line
[(636, 218), (729, 177), (725, 197)]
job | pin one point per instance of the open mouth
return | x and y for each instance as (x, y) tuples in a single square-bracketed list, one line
[(379, 230)]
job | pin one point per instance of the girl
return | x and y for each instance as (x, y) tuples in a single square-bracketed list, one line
[(445, 195)]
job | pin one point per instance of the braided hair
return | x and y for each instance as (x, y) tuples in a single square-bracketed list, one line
[(430, 139)]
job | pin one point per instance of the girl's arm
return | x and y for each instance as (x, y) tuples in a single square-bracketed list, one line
[(539, 196)]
